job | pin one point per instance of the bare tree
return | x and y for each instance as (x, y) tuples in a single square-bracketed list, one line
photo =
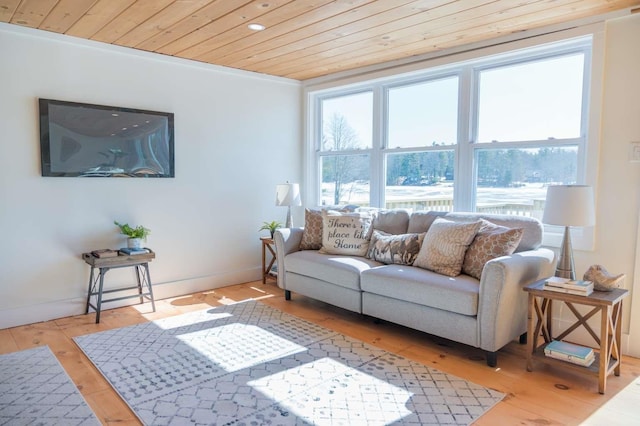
[(339, 136)]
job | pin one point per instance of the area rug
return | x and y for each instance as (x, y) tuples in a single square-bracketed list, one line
[(250, 364), (35, 390)]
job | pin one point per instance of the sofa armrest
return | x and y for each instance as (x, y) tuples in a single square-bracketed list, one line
[(502, 304), (287, 241)]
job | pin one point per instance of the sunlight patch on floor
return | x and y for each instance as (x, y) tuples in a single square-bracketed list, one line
[(351, 397), (237, 346), (621, 410)]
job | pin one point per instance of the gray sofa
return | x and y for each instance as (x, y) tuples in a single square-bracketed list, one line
[(487, 313)]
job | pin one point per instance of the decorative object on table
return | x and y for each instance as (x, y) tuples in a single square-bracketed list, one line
[(136, 235), (270, 226), (104, 253), (602, 279), (568, 205), (566, 351), (565, 285), (288, 194), (133, 251)]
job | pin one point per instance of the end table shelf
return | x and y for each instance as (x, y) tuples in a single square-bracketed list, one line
[(96, 281), (268, 246), (608, 304)]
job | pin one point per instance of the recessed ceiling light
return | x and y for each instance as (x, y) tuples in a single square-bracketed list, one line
[(256, 27)]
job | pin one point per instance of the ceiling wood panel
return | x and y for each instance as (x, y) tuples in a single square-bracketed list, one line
[(371, 28), (322, 27), (7, 9), (214, 10), (304, 38), (100, 14), (218, 30), (410, 41), (129, 19), (164, 19), (64, 14), (32, 12), (405, 48), (396, 38)]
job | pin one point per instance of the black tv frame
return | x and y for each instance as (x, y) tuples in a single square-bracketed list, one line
[(45, 142)]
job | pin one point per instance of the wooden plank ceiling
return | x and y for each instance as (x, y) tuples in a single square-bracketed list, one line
[(303, 38)]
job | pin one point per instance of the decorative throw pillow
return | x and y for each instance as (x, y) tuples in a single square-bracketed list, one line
[(312, 233), (444, 246), (399, 249), (346, 233), (490, 242)]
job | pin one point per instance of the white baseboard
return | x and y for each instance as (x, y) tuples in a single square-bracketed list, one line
[(65, 308)]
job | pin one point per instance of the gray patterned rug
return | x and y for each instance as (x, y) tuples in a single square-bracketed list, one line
[(35, 390), (250, 364)]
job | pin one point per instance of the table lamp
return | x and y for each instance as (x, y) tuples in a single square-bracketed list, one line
[(568, 205), (288, 194)]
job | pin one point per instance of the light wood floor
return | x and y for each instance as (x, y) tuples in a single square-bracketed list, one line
[(546, 396)]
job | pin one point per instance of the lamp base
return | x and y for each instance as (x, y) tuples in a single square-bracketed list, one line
[(289, 222), (565, 267)]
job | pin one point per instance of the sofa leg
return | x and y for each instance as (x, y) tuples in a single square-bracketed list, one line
[(523, 338), (492, 359), (287, 295)]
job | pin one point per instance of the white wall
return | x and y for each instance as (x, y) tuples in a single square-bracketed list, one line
[(618, 197), (237, 135)]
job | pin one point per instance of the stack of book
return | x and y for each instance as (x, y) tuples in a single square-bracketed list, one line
[(565, 285), (132, 251), (103, 253), (566, 351)]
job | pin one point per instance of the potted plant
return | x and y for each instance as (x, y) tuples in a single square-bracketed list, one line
[(136, 235), (270, 226)]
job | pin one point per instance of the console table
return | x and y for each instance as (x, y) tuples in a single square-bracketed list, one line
[(96, 281), (607, 303)]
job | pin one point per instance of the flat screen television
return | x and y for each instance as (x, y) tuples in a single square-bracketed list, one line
[(86, 140)]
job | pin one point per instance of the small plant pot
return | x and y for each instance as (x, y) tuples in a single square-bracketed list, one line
[(134, 243)]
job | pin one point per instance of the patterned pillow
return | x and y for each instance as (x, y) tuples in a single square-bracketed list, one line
[(312, 233), (490, 242), (399, 249), (444, 246), (346, 233)]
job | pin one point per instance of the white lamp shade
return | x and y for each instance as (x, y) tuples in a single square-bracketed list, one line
[(288, 194), (569, 205)]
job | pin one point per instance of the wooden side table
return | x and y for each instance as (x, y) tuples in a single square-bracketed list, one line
[(268, 246), (96, 282), (607, 303)]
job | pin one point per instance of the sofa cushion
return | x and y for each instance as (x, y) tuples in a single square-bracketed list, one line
[(399, 249), (393, 221), (444, 246), (490, 242), (411, 284), (346, 233), (533, 229), (421, 221), (343, 271), (312, 233)]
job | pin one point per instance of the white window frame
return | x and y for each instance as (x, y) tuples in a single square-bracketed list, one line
[(590, 44)]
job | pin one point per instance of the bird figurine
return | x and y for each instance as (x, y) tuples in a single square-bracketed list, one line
[(602, 279)]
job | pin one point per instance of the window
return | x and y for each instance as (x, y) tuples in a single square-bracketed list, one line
[(424, 114), (487, 135), (347, 128), (533, 100)]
